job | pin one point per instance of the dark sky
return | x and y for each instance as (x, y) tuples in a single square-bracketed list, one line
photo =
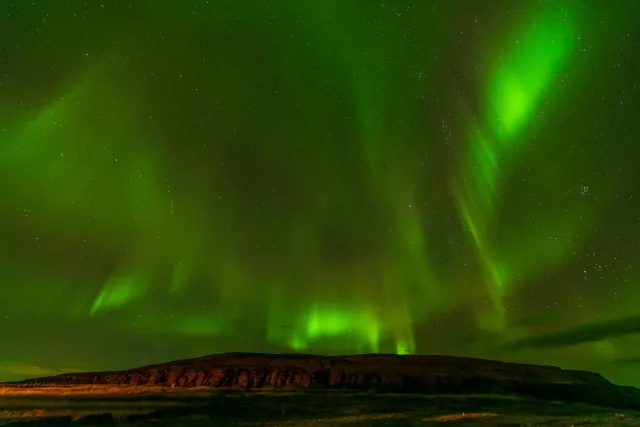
[(180, 178)]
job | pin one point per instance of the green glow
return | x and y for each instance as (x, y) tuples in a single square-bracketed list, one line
[(332, 322), (529, 69), (119, 291), (331, 325), (184, 178)]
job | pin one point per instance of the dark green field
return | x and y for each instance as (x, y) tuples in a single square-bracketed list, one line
[(131, 407)]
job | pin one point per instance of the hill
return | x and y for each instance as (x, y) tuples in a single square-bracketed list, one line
[(371, 373)]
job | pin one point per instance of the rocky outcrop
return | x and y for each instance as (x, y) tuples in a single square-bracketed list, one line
[(371, 373)]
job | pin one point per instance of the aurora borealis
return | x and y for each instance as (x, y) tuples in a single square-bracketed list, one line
[(319, 176)]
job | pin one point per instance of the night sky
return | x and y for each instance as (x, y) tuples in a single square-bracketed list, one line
[(181, 178)]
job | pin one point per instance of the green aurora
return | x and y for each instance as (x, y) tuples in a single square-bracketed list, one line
[(186, 178)]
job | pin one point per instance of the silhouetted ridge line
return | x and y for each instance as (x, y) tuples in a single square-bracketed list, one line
[(368, 372)]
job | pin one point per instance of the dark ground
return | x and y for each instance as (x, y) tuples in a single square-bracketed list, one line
[(130, 407)]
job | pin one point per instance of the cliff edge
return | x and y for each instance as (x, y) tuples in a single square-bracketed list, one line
[(369, 372)]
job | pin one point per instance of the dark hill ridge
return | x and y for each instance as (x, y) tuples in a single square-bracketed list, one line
[(370, 372)]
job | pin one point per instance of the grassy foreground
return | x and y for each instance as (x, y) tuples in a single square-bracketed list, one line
[(153, 406)]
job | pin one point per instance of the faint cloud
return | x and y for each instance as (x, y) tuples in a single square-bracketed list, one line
[(591, 332), (536, 319), (626, 361)]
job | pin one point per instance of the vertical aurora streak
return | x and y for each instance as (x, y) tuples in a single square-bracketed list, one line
[(520, 78)]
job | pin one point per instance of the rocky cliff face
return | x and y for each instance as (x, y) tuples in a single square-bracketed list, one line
[(381, 373)]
